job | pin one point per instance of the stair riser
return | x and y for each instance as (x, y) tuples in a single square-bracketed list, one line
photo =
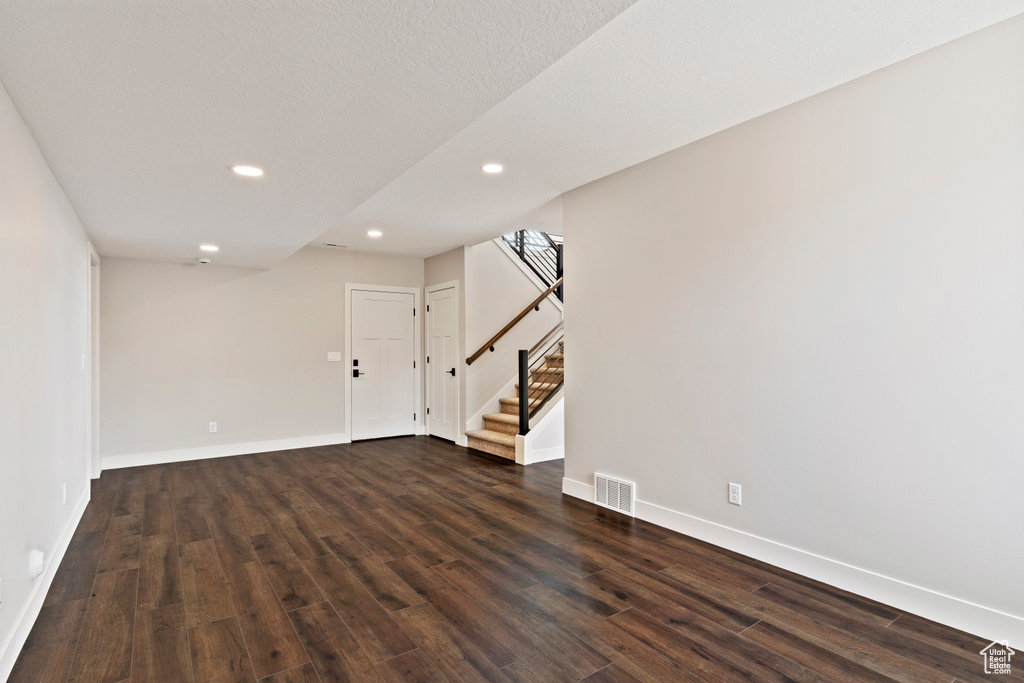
[(513, 408), (501, 427), (493, 448), (537, 395)]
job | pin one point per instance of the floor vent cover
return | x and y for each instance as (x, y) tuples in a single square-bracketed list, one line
[(614, 494)]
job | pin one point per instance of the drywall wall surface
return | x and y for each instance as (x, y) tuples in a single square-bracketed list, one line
[(186, 345), (450, 266), (825, 305), (496, 291), (43, 384), (546, 439), (445, 267)]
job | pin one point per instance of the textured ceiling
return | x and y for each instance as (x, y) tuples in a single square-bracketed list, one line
[(141, 107), (380, 113)]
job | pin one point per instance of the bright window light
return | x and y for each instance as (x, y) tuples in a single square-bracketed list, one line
[(492, 168), (374, 233), (209, 247)]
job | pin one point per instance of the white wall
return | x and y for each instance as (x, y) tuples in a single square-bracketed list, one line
[(825, 305), (496, 291), (43, 388), (185, 345)]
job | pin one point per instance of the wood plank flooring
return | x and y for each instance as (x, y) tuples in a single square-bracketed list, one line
[(415, 560)]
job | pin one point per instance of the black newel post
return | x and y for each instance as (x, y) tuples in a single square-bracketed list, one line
[(524, 391), (558, 269)]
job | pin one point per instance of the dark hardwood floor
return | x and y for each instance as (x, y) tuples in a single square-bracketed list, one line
[(414, 560)]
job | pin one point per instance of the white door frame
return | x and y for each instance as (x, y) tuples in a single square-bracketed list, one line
[(460, 427), (92, 400), (417, 328)]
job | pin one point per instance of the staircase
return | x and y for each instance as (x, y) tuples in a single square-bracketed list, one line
[(498, 437)]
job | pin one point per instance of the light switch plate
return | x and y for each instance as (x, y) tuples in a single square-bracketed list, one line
[(334, 356)]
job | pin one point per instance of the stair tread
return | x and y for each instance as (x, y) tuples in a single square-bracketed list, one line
[(543, 385), (493, 437), (515, 400), (503, 417)]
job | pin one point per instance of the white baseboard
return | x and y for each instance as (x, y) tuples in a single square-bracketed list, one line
[(114, 462), (986, 622), (30, 612), (571, 487)]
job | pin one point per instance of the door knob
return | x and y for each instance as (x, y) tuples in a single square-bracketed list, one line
[(452, 371), (356, 373)]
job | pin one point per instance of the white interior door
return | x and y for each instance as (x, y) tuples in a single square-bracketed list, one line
[(442, 364), (383, 357)]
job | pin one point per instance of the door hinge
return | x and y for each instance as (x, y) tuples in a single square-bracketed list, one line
[(428, 411), (428, 359), (414, 365), (428, 308), (414, 312), (414, 417)]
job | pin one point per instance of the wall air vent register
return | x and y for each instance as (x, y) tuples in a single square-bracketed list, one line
[(614, 494)]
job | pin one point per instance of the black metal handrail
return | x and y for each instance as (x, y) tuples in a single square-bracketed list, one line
[(542, 377), (541, 252)]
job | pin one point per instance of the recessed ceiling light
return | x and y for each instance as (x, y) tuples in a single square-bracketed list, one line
[(492, 168), (209, 247), (374, 233), (250, 171)]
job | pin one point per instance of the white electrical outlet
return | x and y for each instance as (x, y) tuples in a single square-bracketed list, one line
[(735, 494), (36, 564), (213, 427), (65, 494)]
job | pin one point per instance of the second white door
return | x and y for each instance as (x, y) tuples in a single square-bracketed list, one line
[(383, 357), (442, 364)]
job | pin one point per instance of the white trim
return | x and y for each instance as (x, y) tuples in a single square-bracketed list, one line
[(460, 428), (526, 453), (986, 622), (538, 283), (527, 456), (30, 612), (114, 462), (92, 400), (576, 489), (492, 405), (417, 327)]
